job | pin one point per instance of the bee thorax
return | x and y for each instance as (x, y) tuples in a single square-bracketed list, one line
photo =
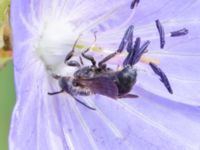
[(69, 86)]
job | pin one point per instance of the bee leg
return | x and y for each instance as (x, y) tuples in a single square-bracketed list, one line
[(129, 96), (81, 60), (54, 93), (84, 104), (101, 63), (70, 54), (89, 57), (73, 63)]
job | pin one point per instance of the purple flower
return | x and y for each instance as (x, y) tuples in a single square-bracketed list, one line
[(44, 31)]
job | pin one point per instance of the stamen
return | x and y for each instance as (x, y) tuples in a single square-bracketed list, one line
[(94, 48), (140, 52), (130, 42), (147, 60), (161, 33), (163, 77), (132, 51), (180, 32), (129, 59), (137, 44), (126, 37), (134, 3), (136, 53)]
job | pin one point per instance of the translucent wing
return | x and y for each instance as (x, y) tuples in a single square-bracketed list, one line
[(101, 85)]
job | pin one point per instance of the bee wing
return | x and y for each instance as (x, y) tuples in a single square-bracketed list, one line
[(101, 85)]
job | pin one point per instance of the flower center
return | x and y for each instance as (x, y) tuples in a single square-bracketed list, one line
[(55, 42)]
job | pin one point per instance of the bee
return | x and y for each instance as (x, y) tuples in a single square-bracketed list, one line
[(98, 79), (106, 81)]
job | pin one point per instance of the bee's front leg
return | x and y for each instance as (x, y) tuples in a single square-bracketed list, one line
[(71, 53)]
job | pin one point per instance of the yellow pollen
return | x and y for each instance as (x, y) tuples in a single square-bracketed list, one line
[(147, 60), (94, 48), (144, 59)]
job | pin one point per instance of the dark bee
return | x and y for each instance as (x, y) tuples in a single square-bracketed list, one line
[(99, 79), (105, 81)]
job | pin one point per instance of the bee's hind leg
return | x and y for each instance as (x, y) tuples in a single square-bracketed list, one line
[(84, 104), (54, 93)]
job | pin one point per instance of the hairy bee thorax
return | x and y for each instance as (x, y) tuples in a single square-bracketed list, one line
[(70, 86)]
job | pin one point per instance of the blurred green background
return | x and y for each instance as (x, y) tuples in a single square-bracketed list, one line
[(7, 100), (7, 92)]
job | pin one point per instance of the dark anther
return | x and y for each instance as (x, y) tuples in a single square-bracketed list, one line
[(137, 44), (89, 57), (135, 54), (180, 32), (125, 38), (134, 3), (130, 43), (163, 77), (127, 59), (131, 55), (161, 33), (139, 51)]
